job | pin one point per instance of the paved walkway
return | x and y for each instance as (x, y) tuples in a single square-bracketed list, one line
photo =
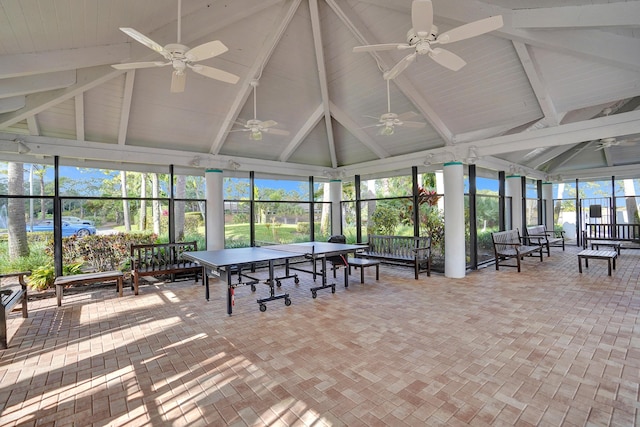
[(544, 347)]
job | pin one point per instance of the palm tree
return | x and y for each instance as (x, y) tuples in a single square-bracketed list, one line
[(16, 212)]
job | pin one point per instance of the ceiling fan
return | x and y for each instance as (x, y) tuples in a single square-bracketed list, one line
[(610, 142), (181, 57), (424, 35), (388, 121), (257, 127)]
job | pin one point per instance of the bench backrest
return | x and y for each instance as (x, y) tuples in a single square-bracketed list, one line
[(504, 240), (157, 256), (629, 232), (400, 246), (536, 230)]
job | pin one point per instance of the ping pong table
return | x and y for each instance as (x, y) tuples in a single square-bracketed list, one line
[(228, 261)]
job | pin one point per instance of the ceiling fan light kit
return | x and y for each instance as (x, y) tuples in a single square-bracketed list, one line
[(388, 121), (256, 127), (180, 57), (424, 35)]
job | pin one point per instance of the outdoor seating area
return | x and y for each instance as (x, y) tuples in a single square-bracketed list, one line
[(498, 348)]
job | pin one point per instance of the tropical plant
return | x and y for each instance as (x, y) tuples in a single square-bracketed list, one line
[(43, 277)]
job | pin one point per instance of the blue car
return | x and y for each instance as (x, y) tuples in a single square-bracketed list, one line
[(68, 229)]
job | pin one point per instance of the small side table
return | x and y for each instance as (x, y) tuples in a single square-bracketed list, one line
[(610, 256), (362, 263)]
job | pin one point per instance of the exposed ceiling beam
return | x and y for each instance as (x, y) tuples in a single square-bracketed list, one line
[(32, 123), (38, 83), (12, 104), (280, 25), (86, 79), (572, 133), (481, 134), (362, 34), (46, 147), (557, 162), (547, 154), (79, 104), (322, 78), (620, 172), (28, 64), (345, 120), (302, 133), (126, 107), (532, 70), (623, 14)]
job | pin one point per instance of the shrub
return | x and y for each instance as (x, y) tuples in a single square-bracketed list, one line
[(43, 277), (385, 220), (303, 227), (102, 252)]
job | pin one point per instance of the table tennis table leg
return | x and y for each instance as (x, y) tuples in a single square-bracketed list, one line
[(314, 291), (229, 291), (206, 284), (272, 295)]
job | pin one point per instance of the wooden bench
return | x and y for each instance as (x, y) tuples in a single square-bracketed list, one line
[(538, 235), (87, 278), (163, 258), (9, 297), (613, 244), (362, 263), (610, 256), (401, 250), (509, 244), (628, 235)]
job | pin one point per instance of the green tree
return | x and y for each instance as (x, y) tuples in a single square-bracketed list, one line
[(16, 220)]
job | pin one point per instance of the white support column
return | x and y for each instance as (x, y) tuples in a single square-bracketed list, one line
[(454, 245), (440, 188), (215, 209), (336, 198), (547, 197), (513, 189)]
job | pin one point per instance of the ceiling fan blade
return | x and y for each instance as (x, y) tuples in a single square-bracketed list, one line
[(416, 125), (206, 51), (215, 73), (376, 47), (276, 131), (422, 17), (268, 124), (400, 66), (447, 59), (178, 81), (141, 38), (471, 29), (408, 115), (134, 65)]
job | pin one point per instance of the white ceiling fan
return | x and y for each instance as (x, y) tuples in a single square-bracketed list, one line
[(610, 142), (388, 121), (181, 57), (424, 35), (257, 127)]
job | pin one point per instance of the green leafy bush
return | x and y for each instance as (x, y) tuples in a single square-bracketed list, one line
[(43, 277), (102, 252), (385, 220)]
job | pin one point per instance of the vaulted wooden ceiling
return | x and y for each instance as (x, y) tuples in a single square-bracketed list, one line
[(537, 96)]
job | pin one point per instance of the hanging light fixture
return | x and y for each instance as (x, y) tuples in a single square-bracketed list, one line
[(255, 135), (387, 130)]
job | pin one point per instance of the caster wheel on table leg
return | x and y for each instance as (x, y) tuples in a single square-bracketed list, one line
[(314, 294), (263, 307), (287, 302)]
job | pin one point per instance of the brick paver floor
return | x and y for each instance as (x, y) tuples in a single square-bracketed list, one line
[(544, 347)]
